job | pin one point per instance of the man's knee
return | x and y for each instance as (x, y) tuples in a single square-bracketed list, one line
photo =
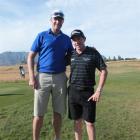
[(89, 124), (38, 118)]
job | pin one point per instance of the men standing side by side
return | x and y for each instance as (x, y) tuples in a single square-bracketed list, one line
[(82, 96), (52, 47)]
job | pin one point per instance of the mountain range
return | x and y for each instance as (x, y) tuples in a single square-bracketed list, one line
[(13, 58)]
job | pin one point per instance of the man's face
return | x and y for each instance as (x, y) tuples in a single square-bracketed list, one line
[(57, 23), (78, 42)]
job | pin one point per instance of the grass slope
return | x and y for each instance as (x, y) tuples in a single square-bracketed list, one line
[(117, 113)]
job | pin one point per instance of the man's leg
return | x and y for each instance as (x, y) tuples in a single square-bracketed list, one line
[(37, 124), (78, 124), (41, 99), (90, 131), (57, 123), (59, 93)]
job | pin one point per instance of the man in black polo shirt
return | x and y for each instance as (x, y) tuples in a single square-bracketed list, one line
[(82, 98)]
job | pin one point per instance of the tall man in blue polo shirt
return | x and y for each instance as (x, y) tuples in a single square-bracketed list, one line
[(52, 47), (82, 97)]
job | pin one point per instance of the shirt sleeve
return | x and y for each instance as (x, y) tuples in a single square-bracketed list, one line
[(37, 43), (69, 53), (100, 64)]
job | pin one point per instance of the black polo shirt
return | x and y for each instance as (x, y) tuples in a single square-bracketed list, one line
[(83, 68)]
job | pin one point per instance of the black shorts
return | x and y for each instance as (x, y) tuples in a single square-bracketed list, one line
[(79, 106)]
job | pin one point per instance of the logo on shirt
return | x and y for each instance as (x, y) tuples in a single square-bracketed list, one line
[(86, 59), (72, 59)]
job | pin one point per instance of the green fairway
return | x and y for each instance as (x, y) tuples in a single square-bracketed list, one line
[(118, 112)]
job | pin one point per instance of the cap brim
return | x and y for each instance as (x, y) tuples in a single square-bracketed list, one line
[(58, 17), (78, 35)]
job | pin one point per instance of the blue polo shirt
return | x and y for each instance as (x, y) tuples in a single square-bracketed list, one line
[(51, 50)]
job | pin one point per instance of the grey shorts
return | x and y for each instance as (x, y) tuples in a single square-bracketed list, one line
[(54, 85)]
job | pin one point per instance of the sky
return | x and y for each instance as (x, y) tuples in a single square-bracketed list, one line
[(111, 26)]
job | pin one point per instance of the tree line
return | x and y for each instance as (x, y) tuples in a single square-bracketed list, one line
[(118, 58)]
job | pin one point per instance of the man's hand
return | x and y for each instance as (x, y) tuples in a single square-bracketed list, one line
[(95, 97), (33, 83)]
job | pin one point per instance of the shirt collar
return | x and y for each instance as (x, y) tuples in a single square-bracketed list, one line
[(50, 32), (75, 52)]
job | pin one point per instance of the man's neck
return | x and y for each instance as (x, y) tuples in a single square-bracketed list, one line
[(79, 51), (55, 32)]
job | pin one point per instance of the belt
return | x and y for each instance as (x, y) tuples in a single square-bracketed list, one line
[(53, 72), (82, 88)]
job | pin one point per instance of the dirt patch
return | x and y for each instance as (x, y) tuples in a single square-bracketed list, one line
[(11, 73)]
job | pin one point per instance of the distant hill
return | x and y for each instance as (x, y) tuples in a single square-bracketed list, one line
[(13, 58)]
